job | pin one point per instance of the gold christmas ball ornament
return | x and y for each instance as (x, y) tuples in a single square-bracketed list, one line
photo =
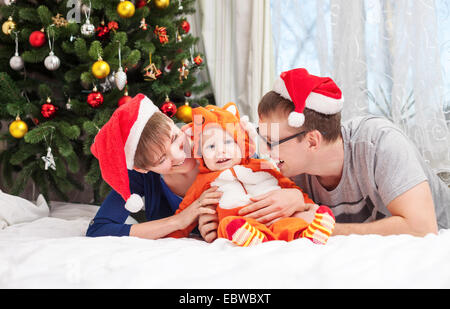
[(18, 128), (162, 4), (8, 26), (184, 113), (126, 9), (100, 69)]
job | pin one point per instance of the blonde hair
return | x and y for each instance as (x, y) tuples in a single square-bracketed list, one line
[(151, 145)]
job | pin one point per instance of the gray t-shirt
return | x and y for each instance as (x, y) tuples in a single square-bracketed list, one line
[(380, 163)]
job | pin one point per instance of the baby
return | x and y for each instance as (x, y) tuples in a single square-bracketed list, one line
[(224, 151)]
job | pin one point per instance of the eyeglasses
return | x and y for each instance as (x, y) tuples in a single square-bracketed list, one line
[(274, 144)]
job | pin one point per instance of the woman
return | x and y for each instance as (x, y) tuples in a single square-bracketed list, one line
[(142, 152), (161, 173)]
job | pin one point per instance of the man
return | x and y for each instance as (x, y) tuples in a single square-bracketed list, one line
[(366, 170)]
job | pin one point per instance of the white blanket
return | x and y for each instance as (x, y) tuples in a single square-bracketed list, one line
[(52, 252)]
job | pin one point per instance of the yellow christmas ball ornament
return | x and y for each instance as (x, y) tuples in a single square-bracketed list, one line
[(126, 9), (18, 128), (184, 113), (162, 4), (100, 69), (8, 26)]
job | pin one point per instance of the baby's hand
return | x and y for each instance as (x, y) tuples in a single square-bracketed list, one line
[(198, 207), (308, 214)]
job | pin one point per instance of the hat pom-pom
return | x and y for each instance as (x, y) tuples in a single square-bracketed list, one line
[(296, 120), (134, 203)]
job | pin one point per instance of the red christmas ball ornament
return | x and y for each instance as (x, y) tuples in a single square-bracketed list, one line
[(187, 94), (125, 99), (141, 3), (169, 108), (185, 26), (95, 98), (37, 39), (48, 110)]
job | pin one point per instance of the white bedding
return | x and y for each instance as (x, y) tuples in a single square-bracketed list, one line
[(51, 252)]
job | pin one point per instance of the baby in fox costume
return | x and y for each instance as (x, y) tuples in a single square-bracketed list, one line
[(224, 153)]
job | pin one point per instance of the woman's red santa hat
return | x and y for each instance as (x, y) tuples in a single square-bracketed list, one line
[(115, 146), (320, 94)]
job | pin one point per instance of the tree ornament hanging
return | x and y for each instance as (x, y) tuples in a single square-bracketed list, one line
[(162, 4), (108, 83), (102, 31), (59, 21), (168, 67), (9, 2), (37, 38), (16, 62), (100, 69), (18, 128), (95, 98), (48, 110), (198, 60), (178, 37), (49, 160), (161, 33), (125, 9), (113, 25), (185, 26), (151, 71), (169, 108), (88, 29), (143, 25), (124, 99), (140, 3), (184, 71), (184, 113), (69, 104), (8, 26), (51, 62), (120, 78)]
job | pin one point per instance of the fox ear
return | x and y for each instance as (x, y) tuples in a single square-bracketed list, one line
[(187, 129), (232, 108)]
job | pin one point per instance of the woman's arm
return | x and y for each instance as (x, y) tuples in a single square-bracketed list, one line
[(177, 226), (110, 218), (156, 229)]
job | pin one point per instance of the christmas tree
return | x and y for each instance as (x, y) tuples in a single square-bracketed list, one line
[(65, 66)]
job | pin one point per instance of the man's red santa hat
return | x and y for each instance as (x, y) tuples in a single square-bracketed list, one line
[(320, 94), (115, 146)]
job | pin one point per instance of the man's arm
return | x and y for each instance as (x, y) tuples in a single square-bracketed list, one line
[(412, 213)]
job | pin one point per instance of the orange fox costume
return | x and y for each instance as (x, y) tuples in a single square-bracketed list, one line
[(252, 177)]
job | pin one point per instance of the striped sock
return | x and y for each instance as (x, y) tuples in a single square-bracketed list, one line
[(321, 227), (243, 234)]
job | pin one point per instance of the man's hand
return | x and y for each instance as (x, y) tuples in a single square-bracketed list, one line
[(272, 206)]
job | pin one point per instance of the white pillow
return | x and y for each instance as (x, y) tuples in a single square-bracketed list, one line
[(14, 209)]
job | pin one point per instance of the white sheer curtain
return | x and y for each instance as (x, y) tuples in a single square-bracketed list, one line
[(238, 46), (388, 56)]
